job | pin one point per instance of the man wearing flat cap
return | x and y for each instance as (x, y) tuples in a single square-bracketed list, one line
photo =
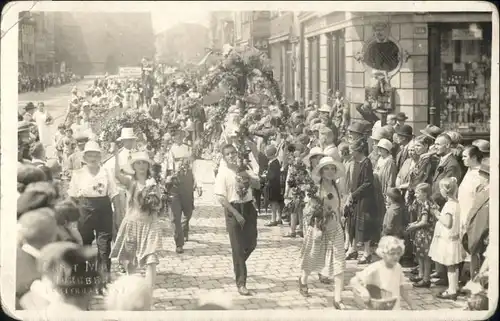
[(75, 160)]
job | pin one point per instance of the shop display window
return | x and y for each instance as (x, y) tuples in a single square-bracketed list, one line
[(465, 67)]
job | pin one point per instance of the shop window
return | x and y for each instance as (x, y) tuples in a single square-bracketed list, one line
[(462, 72), (336, 62)]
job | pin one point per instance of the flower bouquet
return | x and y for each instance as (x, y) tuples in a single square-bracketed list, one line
[(150, 199)]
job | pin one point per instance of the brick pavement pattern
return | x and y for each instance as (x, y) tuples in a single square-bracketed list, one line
[(273, 268)]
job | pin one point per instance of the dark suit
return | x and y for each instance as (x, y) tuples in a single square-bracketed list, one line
[(477, 229), (449, 168), (401, 156)]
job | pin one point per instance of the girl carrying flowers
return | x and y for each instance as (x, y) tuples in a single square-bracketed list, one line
[(139, 238)]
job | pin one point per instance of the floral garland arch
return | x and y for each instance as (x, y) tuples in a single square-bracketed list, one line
[(244, 77)]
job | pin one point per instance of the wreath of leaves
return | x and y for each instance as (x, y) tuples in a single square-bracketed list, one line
[(145, 128)]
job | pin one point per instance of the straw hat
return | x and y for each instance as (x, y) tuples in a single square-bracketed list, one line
[(385, 144), (92, 146), (379, 133), (325, 161), (482, 144), (127, 133), (431, 131), (140, 156), (81, 138)]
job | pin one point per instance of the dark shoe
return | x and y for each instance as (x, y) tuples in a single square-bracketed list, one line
[(415, 278), (441, 282), (242, 290), (352, 256), (179, 250), (446, 296), (301, 234), (365, 260), (324, 279), (272, 224), (304, 291), (435, 275), (290, 235), (338, 305), (121, 269), (422, 284)]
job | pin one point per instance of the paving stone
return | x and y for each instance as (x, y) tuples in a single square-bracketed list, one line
[(273, 268)]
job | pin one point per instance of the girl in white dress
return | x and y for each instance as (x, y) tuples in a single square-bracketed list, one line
[(446, 248)]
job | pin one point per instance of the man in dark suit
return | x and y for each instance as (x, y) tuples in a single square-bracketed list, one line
[(477, 226), (404, 136), (448, 167)]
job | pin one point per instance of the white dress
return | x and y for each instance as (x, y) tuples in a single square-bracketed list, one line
[(43, 129), (446, 247)]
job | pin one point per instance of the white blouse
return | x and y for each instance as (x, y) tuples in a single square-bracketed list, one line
[(83, 184), (226, 185)]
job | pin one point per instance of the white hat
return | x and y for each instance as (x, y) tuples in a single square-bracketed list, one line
[(92, 146), (385, 144), (325, 161), (140, 156), (325, 108), (127, 133), (315, 151)]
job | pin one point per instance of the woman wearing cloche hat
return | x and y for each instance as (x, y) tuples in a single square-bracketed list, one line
[(384, 173), (94, 188), (325, 230), (140, 225)]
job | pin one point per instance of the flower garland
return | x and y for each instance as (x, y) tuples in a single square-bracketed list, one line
[(146, 128)]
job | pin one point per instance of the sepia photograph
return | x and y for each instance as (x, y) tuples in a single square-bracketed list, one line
[(177, 156)]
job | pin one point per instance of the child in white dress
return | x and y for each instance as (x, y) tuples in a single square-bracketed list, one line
[(386, 274), (446, 248), (139, 238)]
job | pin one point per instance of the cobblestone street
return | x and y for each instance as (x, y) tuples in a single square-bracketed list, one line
[(272, 269)]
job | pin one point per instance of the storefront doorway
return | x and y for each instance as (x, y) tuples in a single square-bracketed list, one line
[(460, 77)]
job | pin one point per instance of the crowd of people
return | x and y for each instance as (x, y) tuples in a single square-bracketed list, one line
[(41, 83), (420, 198)]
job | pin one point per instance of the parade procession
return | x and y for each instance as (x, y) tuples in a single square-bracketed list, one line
[(176, 187)]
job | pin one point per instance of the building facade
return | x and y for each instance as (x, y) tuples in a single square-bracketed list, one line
[(183, 44), (26, 49), (253, 28), (221, 30), (284, 51), (100, 42), (44, 43), (437, 65)]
